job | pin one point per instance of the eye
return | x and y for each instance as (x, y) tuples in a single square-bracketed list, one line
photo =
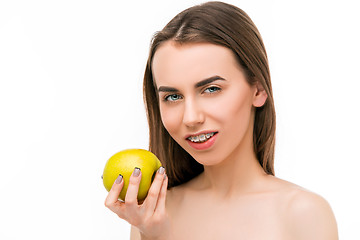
[(212, 89), (172, 98)]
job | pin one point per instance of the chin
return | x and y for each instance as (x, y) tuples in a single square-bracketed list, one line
[(206, 158)]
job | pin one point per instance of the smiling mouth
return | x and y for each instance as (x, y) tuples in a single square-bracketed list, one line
[(201, 138)]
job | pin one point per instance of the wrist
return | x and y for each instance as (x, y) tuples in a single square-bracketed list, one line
[(154, 238)]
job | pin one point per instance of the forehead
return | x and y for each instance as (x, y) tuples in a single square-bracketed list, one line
[(174, 63)]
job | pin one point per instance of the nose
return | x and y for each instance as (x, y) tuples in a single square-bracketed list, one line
[(193, 115)]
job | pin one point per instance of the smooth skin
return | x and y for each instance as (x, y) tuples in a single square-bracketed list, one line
[(233, 198)]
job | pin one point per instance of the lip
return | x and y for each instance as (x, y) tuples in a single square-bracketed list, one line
[(204, 145), (199, 133)]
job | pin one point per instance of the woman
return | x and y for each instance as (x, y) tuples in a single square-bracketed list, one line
[(212, 124)]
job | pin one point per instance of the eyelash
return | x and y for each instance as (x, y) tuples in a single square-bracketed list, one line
[(170, 95), (212, 90)]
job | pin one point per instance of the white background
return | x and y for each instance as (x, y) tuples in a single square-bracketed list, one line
[(70, 97)]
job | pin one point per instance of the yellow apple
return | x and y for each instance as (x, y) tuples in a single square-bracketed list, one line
[(124, 163)]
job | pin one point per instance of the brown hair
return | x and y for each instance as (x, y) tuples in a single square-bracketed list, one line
[(226, 25)]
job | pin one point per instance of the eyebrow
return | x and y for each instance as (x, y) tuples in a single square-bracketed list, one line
[(197, 85)]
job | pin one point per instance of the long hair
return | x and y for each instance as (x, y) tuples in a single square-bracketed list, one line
[(221, 24)]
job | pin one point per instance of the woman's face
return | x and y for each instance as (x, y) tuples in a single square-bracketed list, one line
[(205, 102)]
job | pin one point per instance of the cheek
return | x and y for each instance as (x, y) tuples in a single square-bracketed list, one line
[(231, 109), (171, 118)]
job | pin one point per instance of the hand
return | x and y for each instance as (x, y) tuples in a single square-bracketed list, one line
[(150, 217)]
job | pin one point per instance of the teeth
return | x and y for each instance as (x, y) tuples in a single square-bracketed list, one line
[(201, 137)]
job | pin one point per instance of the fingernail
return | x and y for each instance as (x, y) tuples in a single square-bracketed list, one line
[(161, 170), (119, 179), (136, 172)]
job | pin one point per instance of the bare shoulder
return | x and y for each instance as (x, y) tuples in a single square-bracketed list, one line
[(174, 196), (307, 214)]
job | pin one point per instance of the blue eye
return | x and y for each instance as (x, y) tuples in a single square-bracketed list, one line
[(172, 97), (212, 89)]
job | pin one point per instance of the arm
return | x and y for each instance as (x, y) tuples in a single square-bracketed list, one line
[(134, 233), (310, 217)]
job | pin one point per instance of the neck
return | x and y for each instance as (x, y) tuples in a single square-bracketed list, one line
[(238, 176), (239, 173)]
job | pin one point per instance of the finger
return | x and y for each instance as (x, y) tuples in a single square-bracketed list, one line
[(111, 200), (160, 206), (153, 194), (133, 189)]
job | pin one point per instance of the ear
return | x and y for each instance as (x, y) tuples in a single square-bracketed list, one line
[(260, 95)]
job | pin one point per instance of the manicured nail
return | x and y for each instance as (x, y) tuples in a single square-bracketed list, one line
[(161, 170), (136, 172), (119, 179)]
